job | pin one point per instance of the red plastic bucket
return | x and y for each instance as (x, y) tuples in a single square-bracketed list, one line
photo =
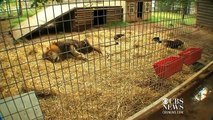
[(191, 55), (168, 66)]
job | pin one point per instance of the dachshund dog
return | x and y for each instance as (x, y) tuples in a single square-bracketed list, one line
[(169, 43), (59, 51), (116, 37), (173, 44), (115, 42), (157, 39)]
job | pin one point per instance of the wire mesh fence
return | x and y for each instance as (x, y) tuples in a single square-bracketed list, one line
[(90, 59)]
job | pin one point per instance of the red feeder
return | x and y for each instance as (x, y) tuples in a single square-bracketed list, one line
[(191, 55), (168, 66)]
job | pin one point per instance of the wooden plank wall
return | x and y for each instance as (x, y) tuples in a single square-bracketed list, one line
[(85, 16), (115, 14), (205, 13)]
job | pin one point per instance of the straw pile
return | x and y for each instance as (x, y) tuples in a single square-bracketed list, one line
[(114, 85)]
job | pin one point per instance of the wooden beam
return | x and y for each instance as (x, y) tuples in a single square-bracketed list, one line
[(175, 92)]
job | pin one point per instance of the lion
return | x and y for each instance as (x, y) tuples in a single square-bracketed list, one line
[(59, 51)]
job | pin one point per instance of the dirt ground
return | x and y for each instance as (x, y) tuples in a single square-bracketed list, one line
[(123, 76)]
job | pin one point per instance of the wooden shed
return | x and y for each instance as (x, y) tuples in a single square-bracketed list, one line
[(205, 13), (137, 10), (96, 16), (127, 10), (78, 17)]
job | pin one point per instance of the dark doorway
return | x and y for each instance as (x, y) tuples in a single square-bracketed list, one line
[(140, 9), (99, 17)]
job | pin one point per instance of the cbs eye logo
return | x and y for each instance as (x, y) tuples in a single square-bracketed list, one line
[(165, 101)]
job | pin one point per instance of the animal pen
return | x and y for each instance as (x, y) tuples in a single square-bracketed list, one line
[(116, 84)]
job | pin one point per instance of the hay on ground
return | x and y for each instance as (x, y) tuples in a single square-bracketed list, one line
[(114, 85)]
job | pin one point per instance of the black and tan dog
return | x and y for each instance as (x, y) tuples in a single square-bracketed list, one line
[(59, 51), (117, 37), (174, 44)]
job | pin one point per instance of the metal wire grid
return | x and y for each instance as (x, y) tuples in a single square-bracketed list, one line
[(99, 68)]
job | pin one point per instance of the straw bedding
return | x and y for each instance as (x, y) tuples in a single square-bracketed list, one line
[(114, 85)]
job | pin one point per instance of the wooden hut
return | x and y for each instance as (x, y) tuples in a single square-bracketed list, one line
[(128, 10), (137, 10), (78, 17), (96, 16)]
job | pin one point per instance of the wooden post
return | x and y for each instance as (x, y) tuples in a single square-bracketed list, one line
[(20, 8)]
